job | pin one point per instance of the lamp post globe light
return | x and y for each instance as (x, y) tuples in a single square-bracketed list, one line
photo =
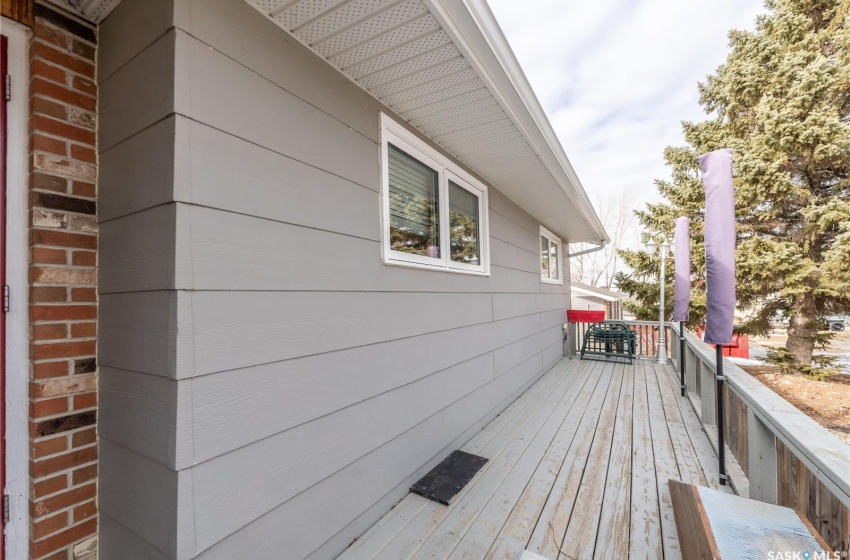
[(664, 248)]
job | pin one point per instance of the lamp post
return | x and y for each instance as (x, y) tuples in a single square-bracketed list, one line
[(664, 247)]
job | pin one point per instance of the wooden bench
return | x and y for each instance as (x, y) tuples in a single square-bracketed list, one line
[(714, 525), (609, 340)]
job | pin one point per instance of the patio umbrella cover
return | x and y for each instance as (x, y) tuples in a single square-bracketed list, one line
[(682, 284), (716, 169)]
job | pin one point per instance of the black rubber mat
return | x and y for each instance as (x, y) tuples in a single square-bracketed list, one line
[(448, 478)]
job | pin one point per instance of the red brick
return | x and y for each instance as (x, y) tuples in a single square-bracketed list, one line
[(49, 486), (85, 511), (81, 402), (48, 52), (48, 294), (61, 555), (40, 86), (84, 85), (64, 539), (52, 446), (63, 239), (83, 330), (85, 474), (63, 312), (87, 436), (45, 255), (62, 350), (48, 525), (47, 144), (81, 188), (51, 331), (48, 407), (83, 49), (51, 35), (47, 370), (43, 181), (83, 154), (83, 294), (60, 128), (64, 462), (48, 71), (47, 107), (84, 258)]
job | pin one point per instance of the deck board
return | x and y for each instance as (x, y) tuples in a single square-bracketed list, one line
[(578, 469), (645, 525)]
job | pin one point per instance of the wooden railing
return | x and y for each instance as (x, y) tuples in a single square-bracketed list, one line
[(780, 454), (775, 453), (646, 341)]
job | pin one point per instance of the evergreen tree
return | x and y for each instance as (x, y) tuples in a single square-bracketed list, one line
[(781, 101)]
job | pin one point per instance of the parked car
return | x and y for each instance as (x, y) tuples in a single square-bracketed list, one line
[(835, 323)]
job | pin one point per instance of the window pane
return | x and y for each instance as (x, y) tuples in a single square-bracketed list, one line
[(463, 225), (414, 205), (544, 253), (553, 260)]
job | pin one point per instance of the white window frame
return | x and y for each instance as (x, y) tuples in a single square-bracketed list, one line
[(552, 239), (397, 135)]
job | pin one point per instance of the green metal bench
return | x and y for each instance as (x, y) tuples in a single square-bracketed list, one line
[(609, 340)]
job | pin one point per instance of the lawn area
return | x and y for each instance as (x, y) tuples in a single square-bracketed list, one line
[(827, 401)]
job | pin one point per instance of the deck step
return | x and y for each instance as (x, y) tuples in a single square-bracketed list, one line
[(715, 525)]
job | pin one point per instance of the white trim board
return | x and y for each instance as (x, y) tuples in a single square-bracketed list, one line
[(17, 356)]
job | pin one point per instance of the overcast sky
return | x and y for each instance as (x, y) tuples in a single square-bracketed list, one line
[(617, 77)]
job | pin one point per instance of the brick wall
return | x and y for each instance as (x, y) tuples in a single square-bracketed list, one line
[(63, 275)]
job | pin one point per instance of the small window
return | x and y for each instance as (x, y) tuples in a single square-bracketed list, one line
[(463, 225), (434, 213), (550, 257), (414, 206)]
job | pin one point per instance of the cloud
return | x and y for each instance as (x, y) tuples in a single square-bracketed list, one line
[(617, 77)]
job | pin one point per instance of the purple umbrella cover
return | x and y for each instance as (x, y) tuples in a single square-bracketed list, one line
[(682, 257), (716, 169)]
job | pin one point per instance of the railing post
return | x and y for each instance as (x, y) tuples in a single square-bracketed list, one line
[(574, 338), (707, 395), (690, 369), (721, 414), (762, 460)]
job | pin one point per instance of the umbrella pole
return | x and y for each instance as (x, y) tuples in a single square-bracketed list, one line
[(721, 445), (682, 353)]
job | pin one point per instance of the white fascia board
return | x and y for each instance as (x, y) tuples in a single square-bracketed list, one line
[(597, 295), (475, 32)]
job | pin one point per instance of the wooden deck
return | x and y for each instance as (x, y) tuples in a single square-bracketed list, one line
[(578, 469)]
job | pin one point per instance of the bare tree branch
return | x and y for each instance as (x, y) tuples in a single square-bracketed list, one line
[(599, 268)]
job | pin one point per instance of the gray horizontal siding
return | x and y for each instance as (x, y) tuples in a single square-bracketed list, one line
[(267, 383), (241, 406), (333, 504), (234, 251)]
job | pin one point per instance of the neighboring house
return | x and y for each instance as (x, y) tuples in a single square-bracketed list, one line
[(329, 246), (591, 298)]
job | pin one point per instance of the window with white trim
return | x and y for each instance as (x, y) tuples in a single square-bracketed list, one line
[(550, 257), (434, 214)]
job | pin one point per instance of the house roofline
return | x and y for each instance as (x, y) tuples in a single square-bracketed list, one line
[(601, 293), (474, 30)]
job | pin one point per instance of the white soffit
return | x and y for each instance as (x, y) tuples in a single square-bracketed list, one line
[(92, 10), (446, 68)]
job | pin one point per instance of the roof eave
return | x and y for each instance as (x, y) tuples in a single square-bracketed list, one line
[(474, 30)]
